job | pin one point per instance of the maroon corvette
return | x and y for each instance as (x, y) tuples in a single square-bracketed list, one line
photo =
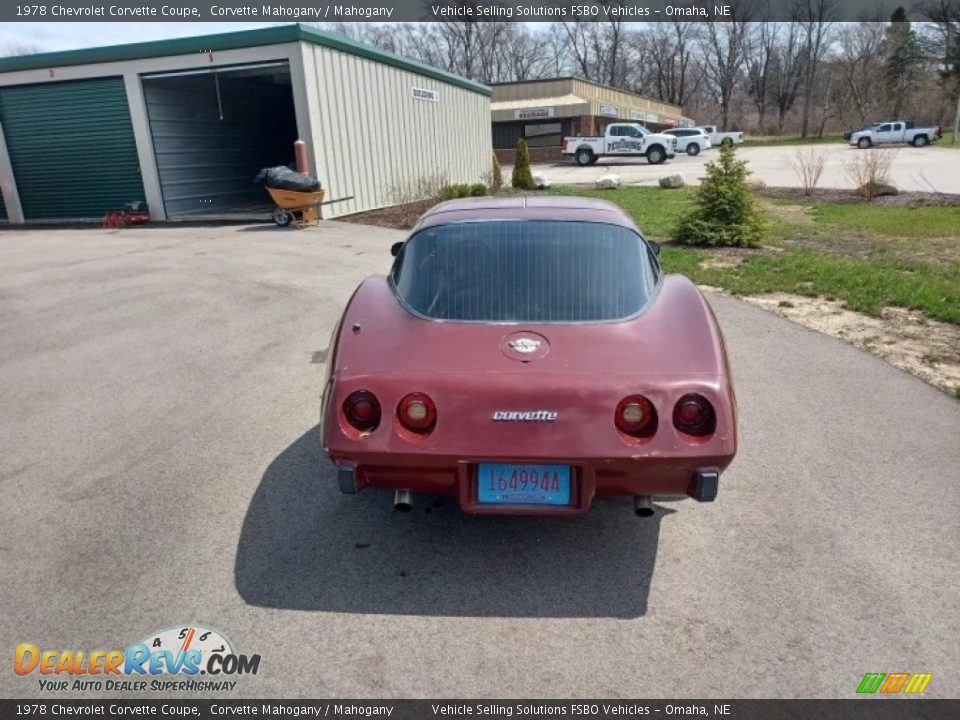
[(527, 355)]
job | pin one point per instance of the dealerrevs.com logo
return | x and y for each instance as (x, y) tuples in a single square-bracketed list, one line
[(168, 660)]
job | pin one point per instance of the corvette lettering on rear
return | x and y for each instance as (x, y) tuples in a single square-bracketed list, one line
[(524, 415)]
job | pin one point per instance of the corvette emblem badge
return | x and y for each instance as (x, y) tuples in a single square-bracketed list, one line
[(525, 415), (525, 345)]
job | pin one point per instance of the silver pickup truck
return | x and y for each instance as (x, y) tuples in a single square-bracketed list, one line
[(897, 131), (624, 140)]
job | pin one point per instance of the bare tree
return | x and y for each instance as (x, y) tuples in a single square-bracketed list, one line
[(557, 50), (944, 40), (615, 71), (596, 49), (943, 43), (485, 51), (787, 69), (579, 47), (759, 66), (831, 96), (671, 52), (817, 18), (860, 60), (724, 48), (525, 55)]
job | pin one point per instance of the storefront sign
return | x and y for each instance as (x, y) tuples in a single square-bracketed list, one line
[(609, 111), (537, 113), (638, 115)]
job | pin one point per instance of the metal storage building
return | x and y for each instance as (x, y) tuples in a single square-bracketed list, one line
[(185, 124)]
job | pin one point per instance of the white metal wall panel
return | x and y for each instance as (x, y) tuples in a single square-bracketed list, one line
[(374, 141)]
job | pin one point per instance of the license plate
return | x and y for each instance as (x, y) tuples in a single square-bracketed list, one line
[(523, 484)]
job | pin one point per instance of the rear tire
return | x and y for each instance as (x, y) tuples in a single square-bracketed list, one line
[(585, 157), (693, 149), (656, 155), (920, 141), (727, 141), (864, 143)]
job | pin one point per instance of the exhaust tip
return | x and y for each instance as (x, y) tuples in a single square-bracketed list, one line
[(403, 501), (643, 506)]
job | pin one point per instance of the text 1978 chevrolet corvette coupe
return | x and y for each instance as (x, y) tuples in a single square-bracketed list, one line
[(527, 355)]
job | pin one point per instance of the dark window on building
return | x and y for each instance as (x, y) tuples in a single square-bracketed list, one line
[(542, 129), (506, 134), (543, 134)]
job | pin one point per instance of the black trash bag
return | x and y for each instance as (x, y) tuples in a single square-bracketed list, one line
[(283, 178)]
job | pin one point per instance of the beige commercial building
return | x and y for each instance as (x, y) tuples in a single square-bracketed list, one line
[(543, 112), (186, 124)]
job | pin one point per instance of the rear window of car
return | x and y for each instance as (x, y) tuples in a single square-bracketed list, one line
[(525, 271)]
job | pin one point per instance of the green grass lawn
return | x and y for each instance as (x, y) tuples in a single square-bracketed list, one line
[(869, 256), (655, 211), (866, 285), (897, 221), (764, 141)]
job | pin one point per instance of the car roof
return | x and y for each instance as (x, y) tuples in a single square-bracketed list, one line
[(526, 207)]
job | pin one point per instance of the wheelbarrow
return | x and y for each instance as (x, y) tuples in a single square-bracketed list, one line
[(300, 208)]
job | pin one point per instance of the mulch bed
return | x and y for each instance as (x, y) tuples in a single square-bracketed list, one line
[(850, 196), (398, 217)]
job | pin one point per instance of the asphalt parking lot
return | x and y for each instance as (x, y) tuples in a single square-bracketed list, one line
[(159, 466), (930, 169)]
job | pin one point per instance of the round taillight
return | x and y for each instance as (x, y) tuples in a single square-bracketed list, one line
[(362, 410), (635, 415), (694, 415), (417, 412)]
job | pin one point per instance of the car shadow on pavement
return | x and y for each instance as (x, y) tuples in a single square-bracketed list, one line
[(305, 546)]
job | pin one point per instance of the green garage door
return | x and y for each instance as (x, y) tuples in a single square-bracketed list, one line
[(72, 148)]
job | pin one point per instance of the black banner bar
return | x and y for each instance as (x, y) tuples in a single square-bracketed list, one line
[(873, 708), (447, 10)]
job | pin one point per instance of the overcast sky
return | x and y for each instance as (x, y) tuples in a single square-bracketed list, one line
[(47, 36)]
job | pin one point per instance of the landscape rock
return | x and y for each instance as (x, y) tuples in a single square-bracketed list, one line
[(877, 190), (673, 181), (541, 181), (608, 181)]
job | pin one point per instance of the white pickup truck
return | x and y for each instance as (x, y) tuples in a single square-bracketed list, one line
[(896, 131), (622, 139), (721, 138)]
